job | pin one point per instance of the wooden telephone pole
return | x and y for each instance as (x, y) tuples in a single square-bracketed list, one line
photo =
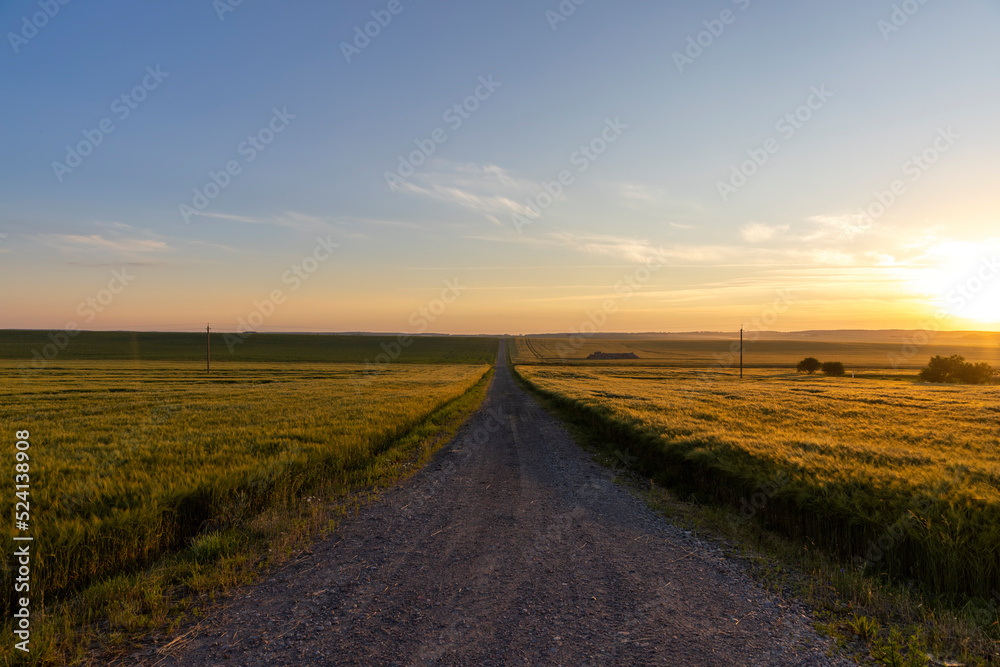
[(741, 351), (208, 348)]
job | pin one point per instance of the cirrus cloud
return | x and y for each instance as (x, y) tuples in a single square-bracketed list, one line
[(756, 232)]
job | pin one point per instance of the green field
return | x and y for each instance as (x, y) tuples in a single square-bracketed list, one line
[(721, 354), (896, 478), (135, 459), (226, 348), (129, 463), (138, 456)]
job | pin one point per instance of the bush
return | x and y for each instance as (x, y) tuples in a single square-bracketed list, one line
[(808, 365), (955, 369), (834, 369)]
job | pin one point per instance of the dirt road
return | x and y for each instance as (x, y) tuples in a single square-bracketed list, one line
[(511, 547)]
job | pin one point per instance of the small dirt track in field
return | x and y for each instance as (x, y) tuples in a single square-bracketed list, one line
[(511, 547)]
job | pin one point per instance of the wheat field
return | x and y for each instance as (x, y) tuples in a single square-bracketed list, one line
[(897, 477), (131, 461)]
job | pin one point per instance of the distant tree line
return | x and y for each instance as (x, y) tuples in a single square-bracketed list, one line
[(811, 364), (953, 370), (956, 370)]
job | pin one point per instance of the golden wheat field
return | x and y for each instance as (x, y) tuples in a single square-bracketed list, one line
[(900, 477), (130, 461)]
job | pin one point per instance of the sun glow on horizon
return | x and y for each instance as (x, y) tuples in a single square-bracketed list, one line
[(963, 280)]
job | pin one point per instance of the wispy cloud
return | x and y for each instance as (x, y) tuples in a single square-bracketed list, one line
[(835, 228), (230, 217), (655, 199), (644, 251), (516, 239), (117, 227), (312, 224), (109, 265), (756, 232), (302, 222), (214, 246), (630, 249), (635, 250), (305, 222), (498, 194), (486, 189), (638, 193), (115, 243), (402, 224), (73, 242)]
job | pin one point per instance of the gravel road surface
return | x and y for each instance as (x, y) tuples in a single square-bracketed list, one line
[(511, 547)]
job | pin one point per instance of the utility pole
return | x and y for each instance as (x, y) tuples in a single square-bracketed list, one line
[(208, 348), (741, 351)]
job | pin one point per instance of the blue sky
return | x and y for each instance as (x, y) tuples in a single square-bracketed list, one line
[(651, 197)]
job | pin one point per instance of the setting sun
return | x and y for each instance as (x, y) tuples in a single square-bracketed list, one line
[(962, 280)]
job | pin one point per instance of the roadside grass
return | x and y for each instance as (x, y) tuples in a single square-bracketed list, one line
[(878, 617), (117, 610)]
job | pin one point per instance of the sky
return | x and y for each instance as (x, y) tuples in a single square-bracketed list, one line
[(486, 167)]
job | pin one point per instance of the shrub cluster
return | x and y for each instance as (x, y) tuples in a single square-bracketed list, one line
[(955, 369), (811, 364)]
